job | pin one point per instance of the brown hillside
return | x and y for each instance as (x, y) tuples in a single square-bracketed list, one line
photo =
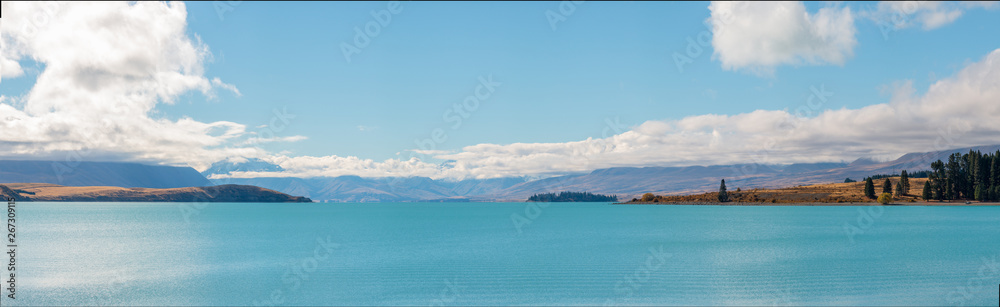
[(819, 193), (220, 193)]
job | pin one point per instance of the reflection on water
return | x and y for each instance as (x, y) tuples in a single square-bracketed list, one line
[(472, 254)]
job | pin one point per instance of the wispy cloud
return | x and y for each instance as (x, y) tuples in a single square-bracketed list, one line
[(928, 15)]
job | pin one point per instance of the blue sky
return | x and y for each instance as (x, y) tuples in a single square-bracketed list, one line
[(607, 62)]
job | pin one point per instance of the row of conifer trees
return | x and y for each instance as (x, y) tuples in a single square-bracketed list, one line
[(970, 176)]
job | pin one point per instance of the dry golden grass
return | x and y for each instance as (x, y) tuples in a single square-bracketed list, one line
[(53, 191), (222, 193), (819, 193)]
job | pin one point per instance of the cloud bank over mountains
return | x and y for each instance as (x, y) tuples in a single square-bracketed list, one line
[(104, 68)]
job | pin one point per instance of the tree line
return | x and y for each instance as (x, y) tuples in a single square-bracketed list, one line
[(970, 176), (917, 174), (901, 188), (572, 197)]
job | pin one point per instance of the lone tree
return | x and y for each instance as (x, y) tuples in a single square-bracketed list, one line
[(723, 195), (904, 178), (887, 186), (648, 197), (926, 195), (869, 188), (899, 189)]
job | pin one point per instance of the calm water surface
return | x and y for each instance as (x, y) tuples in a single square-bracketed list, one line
[(504, 254)]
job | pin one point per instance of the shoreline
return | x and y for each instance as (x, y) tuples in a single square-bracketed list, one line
[(808, 204)]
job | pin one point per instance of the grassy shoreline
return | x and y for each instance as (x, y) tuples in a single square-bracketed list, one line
[(768, 204)]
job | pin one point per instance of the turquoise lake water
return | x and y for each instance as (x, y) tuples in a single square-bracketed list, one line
[(475, 254)]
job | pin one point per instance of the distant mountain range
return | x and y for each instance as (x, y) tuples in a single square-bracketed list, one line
[(118, 174), (357, 189), (250, 165), (626, 182)]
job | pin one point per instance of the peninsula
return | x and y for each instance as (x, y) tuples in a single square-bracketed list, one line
[(219, 193)]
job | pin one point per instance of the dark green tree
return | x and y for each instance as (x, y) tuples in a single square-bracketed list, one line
[(899, 189), (937, 179), (887, 186), (567, 196), (849, 180), (904, 179), (869, 188), (952, 183), (995, 177), (723, 195), (927, 191), (982, 173), (996, 170)]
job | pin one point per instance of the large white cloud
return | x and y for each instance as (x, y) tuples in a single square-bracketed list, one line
[(757, 36), (959, 111), (103, 69)]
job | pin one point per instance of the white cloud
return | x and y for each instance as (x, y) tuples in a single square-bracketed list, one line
[(928, 15), (958, 111), (105, 68), (232, 88), (757, 36)]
